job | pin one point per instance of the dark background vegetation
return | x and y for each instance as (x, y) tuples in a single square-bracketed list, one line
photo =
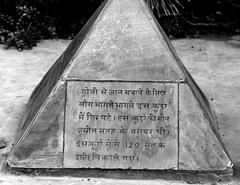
[(23, 23)]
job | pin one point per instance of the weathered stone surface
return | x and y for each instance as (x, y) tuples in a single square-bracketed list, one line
[(42, 146), (49, 81), (124, 44), (120, 51), (121, 125), (199, 148), (3, 144)]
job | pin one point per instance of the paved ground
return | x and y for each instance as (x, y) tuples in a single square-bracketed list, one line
[(214, 64), (77, 181)]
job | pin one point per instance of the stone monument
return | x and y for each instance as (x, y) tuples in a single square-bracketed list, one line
[(119, 98)]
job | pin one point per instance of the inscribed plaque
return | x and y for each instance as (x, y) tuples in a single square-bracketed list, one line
[(121, 125)]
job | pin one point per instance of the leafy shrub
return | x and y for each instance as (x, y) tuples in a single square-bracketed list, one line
[(24, 25), (24, 22)]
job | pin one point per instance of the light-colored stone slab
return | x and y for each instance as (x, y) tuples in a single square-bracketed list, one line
[(199, 148), (124, 44), (121, 50), (121, 125), (43, 145)]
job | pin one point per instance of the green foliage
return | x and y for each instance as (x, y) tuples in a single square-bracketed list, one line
[(165, 7), (23, 23)]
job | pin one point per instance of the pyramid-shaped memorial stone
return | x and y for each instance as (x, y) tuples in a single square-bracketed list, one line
[(119, 98)]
